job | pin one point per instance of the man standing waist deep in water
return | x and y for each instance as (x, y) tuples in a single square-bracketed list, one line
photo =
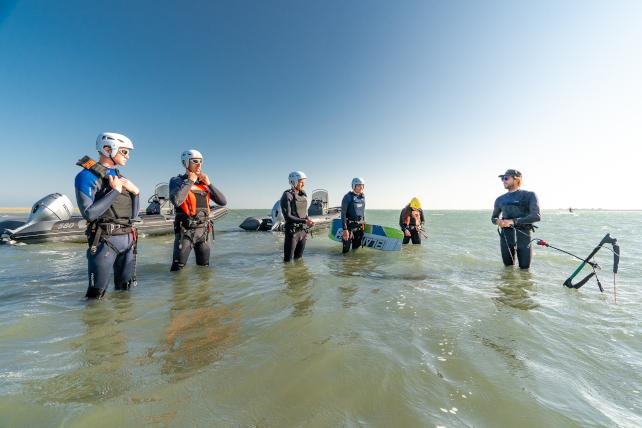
[(294, 206), (191, 193), (514, 214), (109, 202)]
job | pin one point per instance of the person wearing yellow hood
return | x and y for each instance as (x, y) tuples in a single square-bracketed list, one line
[(412, 222)]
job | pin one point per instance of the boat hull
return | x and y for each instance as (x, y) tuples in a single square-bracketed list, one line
[(73, 230)]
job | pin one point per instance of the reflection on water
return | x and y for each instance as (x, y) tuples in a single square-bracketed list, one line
[(297, 280), (514, 287), (351, 266), (102, 372), (506, 348), (200, 326)]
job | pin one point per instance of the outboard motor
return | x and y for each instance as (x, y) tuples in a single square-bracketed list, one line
[(319, 204), (53, 207), (159, 202), (277, 216)]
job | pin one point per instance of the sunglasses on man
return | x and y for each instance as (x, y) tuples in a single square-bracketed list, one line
[(196, 161), (506, 177), (123, 152)]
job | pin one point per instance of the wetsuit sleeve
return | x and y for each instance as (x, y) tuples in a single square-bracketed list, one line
[(533, 215), (345, 202), (421, 216), (179, 188), (286, 209), (217, 196), (136, 206), (496, 211), (87, 185)]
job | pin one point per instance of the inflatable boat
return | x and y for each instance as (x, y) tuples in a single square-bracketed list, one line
[(52, 219), (319, 211)]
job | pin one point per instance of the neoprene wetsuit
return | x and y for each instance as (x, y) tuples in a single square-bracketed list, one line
[(407, 221), (294, 207), (353, 217), (111, 237), (192, 228), (522, 207)]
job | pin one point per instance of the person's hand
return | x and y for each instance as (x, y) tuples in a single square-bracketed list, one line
[(191, 176), (505, 223), (116, 183), (346, 235), (131, 187), (204, 178), (309, 222), (406, 232)]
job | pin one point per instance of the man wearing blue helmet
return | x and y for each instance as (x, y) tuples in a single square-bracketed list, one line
[(353, 215), (109, 202), (294, 206)]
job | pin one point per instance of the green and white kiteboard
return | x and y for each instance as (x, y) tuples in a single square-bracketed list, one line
[(374, 236)]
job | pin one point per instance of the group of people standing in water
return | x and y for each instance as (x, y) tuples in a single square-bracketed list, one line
[(110, 203)]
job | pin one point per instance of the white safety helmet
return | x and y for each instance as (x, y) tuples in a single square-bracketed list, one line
[(295, 176), (358, 180), (113, 141), (190, 154)]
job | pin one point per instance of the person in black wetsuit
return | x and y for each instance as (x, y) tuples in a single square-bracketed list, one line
[(294, 206), (190, 193), (411, 221), (109, 202), (514, 214), (353, 215)]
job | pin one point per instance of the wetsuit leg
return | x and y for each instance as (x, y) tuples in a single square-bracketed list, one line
[(416, 238), (125, 264), (357, 238), (406, 239), (182, 248), (100, 266), (507, 245), (289, 245), (301, 237), (524, 251), (202, 245), (346, 245)]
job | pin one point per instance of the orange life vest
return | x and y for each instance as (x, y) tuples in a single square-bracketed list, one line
[(191, 207), (415, 214)]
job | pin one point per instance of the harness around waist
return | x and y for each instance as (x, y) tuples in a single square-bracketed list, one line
[(295, 227), (355, 224), (191, 222), (112, 227)]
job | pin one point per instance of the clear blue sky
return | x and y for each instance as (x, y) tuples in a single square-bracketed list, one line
[(421, 98)]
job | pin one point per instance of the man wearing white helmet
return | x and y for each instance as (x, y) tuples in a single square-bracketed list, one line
[(191, 194), (110, 203), (353, 215), (294, 206)]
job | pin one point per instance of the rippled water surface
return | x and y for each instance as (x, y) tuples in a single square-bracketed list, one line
[(437, 335)]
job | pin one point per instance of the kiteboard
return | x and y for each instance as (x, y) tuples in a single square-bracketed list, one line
[(374, 236)]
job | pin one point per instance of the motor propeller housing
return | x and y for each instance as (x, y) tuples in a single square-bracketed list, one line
[(53, 207)]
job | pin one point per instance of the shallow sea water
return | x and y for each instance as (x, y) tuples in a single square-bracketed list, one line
[(436, 335)]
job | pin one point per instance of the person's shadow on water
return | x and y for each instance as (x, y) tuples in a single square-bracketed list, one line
[(297, 286), (200, 327), (514, 289)]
